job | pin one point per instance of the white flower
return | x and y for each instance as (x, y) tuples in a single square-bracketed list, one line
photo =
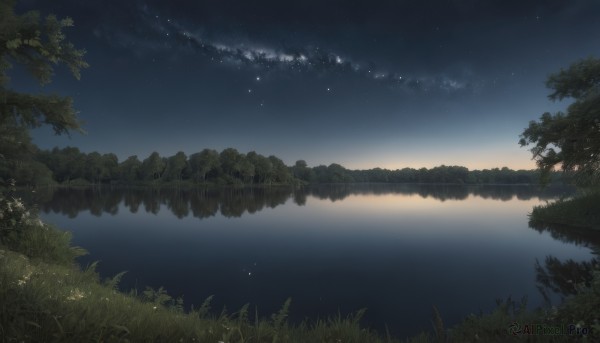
[(19, 205), (25, 278), (76, 294)]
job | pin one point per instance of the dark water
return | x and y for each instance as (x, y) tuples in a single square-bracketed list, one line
[(393, 249)]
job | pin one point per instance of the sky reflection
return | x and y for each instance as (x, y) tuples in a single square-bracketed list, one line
[(394, 252)]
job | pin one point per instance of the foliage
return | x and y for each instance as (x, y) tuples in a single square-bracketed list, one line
[(580, 211), (583, 309), (202, 163), (48, 302), (38, 45), (570, 141), (22, 231), (231, 167)]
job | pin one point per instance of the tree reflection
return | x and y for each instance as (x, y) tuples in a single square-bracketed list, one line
[(203, 205), (579, 236), (566, 277), (563, 278), (235, 202)]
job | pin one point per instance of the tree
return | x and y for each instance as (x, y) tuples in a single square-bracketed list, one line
[(95, 169), (71, 163), (247, 170), (570, 141), (280, 172), (130, 168), (230, 159), (203, 162), (153, 167), (110, 164), (175, 166), (301, 171), (263, 168), (38, 45)]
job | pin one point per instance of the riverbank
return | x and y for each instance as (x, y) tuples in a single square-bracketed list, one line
[(582, 211)]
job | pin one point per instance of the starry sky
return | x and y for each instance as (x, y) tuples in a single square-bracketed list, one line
[(365, 84)]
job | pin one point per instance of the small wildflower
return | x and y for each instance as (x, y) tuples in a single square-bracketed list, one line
[(19, 204), (76, 294)]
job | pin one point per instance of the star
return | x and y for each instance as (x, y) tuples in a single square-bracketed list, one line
[(328, 89), (249, 90), (258, 78)]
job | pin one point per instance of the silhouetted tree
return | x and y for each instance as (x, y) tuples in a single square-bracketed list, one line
[(572, 140), (37, 45)]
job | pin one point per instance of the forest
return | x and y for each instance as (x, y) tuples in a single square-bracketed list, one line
[(71, 167)]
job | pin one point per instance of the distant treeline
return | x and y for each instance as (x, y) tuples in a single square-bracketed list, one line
[(69, 166)]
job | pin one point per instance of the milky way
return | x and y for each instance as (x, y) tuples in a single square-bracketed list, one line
[(157, 33)]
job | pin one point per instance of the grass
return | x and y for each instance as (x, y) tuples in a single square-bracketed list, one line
[(46, 297), (44, 302), (582, 211)]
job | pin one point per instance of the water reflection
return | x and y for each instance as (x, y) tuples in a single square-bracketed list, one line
[(578, 236), (234, 202), (566, 277), (330, 247), (563, 277)]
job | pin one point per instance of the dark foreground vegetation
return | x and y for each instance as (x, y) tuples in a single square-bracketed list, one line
[(582, 211)]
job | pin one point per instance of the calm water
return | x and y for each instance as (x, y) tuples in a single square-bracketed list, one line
[(393, 249)]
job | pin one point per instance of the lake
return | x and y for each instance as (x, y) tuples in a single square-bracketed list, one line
[(395, 250)]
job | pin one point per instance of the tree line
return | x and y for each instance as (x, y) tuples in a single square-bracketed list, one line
[(70, 166)]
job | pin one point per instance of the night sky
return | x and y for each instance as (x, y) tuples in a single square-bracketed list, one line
[(372, 83)]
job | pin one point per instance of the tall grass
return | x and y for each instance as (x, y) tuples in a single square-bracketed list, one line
[(580, 211), (42, 302)]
